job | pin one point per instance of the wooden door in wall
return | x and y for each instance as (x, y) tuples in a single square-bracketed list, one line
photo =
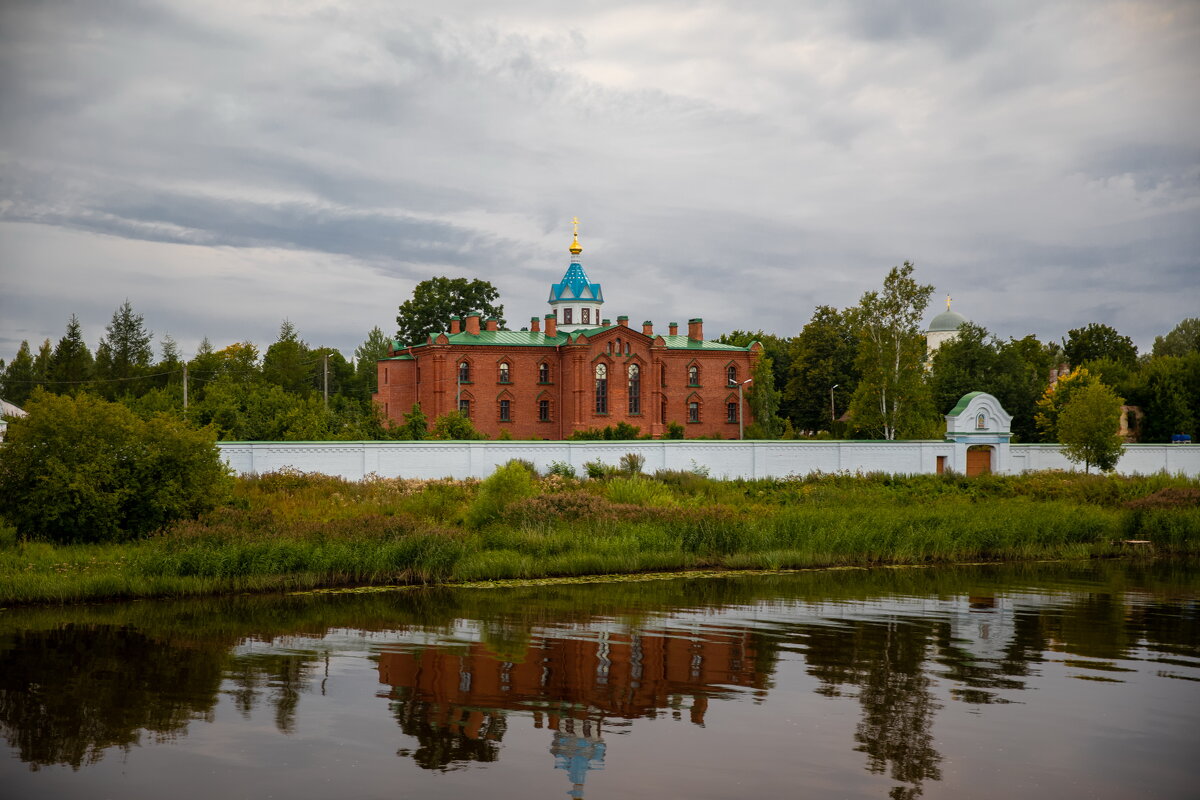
[(979, 460)]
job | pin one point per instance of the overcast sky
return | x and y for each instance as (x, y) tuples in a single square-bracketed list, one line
[(228, 163)]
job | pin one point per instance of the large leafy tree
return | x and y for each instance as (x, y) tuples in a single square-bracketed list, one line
[(892, 398), (822, 357), (71, 363), (776, 348), (1015, 372), (81, 469), (1087, 427), (1167, 388), (1096, 341), (1184, 338), (124, 354), (764, 402), (436, 300), (1056, 397), (288, 362)]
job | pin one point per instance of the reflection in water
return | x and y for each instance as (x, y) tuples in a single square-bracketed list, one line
[(462, 670)]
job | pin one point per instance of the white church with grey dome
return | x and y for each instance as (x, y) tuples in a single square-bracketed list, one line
[(942, 329)]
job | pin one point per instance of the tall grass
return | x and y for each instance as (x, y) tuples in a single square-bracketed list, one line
[(290, 531)]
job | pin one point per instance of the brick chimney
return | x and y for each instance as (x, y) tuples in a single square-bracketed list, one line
[(551, 326), (623, 321), (696, 329), (535, 325), (455, 325), (473, 324), (648, 328), (673, 328), (493, 324)]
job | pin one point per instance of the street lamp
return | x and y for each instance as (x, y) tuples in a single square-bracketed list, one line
[(741, 422), (832, 410)]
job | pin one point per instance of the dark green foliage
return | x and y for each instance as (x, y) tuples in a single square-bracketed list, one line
[(561, 469), (288, 362), (124, 354), (1096, 341), (512, 482), (674, 430), (79, 469), (416, 425), (776, 348), (18, 377), (455, 426), (1167, 389), (622, 431), (366, 358), (71, 365), (822, 357), (436, 300), (1182, 340), (1015, 372)]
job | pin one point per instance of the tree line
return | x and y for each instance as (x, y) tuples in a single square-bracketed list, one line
[(857, 372)]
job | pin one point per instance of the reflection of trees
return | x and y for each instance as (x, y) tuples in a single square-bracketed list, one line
[(285, 675), (886, 661), (447, 736), (67, 694)]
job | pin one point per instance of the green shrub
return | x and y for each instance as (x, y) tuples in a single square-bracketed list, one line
[(674, 431), (632, 463), (503, 487), (598, 469), (560, 468), (80, 469)]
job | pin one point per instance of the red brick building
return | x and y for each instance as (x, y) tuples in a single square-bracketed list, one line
[(570, 372)]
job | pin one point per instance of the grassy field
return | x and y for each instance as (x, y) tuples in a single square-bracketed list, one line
[(289, 531)]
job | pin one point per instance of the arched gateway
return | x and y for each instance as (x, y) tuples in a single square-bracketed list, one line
[(981, 430)]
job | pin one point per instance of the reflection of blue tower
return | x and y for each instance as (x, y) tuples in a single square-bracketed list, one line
[(577, 753)]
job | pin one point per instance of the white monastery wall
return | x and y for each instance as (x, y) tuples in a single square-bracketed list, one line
[(750, 459)]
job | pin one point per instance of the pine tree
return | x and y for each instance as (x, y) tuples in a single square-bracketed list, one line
[(71, 365), (286, 362), (124, 353), (376, 346), (18, 377)]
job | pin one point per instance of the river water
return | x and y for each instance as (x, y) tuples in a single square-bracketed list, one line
[(1063, 680)]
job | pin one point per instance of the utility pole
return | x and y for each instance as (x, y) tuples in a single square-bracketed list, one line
[(185, 387), (832, 411), (327, 381), (741, 410)]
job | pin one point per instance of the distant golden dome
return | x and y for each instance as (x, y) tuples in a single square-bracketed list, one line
[(576, 248)]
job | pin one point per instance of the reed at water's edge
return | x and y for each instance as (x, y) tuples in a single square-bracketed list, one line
[(289, 531)]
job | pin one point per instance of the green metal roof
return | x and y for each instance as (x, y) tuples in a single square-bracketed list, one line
[(963, 403), (401, 357), (539, 339), (947, 321)]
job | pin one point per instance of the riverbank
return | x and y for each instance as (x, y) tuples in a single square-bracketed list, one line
[(288, 531)]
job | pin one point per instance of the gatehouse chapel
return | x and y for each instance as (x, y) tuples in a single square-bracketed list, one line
[(572, 369)]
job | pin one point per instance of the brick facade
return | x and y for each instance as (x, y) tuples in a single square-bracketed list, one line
[(681, 379)]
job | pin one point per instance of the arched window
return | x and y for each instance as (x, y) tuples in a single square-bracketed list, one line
[(601, 389), (610, 348), (543, 372), (505, 372), (662, 375), (635, 389), (731, 412), (731, 374), (464, 407), (464, 372), (693, 375), (693, 411), (586, 316), (543, 410)]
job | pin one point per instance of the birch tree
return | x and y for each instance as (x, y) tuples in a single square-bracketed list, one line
[(892, 398)]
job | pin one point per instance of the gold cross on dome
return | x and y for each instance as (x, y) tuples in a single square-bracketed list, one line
[(575, 222), (947, 302)]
